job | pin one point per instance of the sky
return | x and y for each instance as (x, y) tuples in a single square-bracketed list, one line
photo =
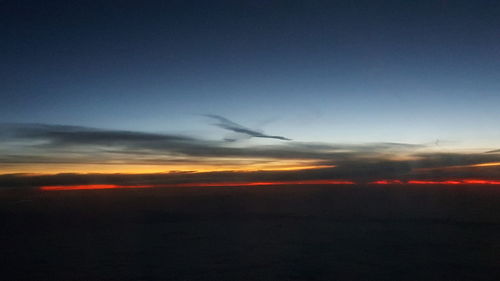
[(333, 89)]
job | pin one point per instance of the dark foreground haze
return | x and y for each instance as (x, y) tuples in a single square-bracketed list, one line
[(253, 233)]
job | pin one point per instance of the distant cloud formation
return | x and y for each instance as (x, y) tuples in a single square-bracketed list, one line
[(22, 145), (237, 128)]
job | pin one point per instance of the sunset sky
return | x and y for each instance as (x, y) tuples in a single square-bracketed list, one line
[(176, 92)]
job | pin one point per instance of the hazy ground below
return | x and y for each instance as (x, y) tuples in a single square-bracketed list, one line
[(252, 233)]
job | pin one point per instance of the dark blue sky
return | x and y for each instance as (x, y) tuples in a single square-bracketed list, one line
[(335, 71)]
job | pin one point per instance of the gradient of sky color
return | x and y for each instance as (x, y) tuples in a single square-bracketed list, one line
[(332, 72), (354, 71)]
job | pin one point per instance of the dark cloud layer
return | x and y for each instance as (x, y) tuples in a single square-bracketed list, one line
[(46, 144), (53, 142)]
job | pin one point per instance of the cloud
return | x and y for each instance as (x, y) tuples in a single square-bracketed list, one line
[(437, 160), (42, 144), (237, 128), (361, 173), (353, 170)]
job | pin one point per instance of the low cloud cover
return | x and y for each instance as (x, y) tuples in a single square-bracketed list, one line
[(45, 145)]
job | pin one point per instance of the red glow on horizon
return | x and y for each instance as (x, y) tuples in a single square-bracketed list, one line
[(435, 182), (387, 182), (445, 182), (482, 181), (212, 184), (273, 183), (90, 186)]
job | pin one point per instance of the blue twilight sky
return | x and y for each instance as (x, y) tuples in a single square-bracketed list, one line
[(329, 71)]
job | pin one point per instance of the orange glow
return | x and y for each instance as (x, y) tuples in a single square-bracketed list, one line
[(235, 165), (486, 164), (213, 184)]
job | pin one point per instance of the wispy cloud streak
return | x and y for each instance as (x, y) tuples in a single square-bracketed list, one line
[(237, 128)]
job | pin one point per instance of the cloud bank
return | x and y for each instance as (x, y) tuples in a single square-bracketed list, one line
[(25, 145)]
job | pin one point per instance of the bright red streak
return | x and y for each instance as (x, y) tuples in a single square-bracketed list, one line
[(90, 186), (446, 182), (387, 182), (272, 183), (434, 182), (481, 181), (212, 184)]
